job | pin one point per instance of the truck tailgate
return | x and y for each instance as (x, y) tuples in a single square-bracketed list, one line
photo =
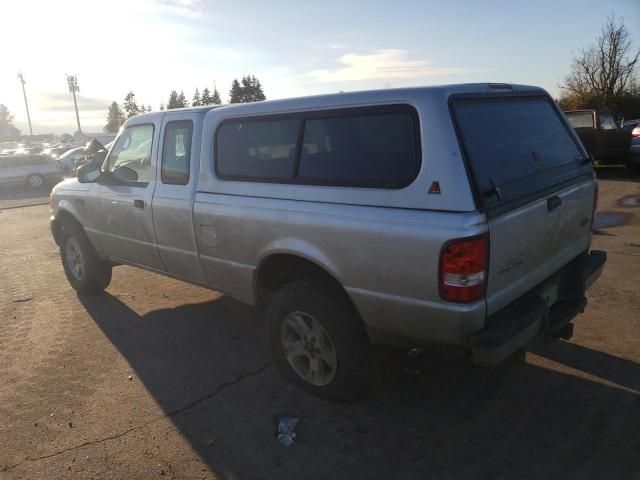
[(534, 241)]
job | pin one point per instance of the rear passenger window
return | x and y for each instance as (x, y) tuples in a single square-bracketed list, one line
[(376, 150), (257, 149), (363, 147), (581, 120), (176, 152)]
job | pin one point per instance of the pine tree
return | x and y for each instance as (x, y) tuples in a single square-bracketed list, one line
[(215, 99), (7, 130), (173, 100), (115, 118), (235, 94), (130, 106), (149, 108), (206, 97), (258, 92), (162, 106), (196, 102), (182, 100), (246, 91)]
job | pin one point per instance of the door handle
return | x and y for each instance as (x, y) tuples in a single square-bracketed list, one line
[(138, 204), (553, 203)]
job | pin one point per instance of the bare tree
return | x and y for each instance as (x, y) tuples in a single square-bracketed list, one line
[(606, 69)]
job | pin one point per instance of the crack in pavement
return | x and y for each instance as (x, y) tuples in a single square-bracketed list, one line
[(170, 414)]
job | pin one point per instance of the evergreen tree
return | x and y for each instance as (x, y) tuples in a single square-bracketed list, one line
[(215, 99), (115, 118), (206, 97), (246, 91), (173, 100), (162, 106), (235, 94), (196, 102), (130, 106), (257, 91), (7, 130), (182, 100), (149, 108)]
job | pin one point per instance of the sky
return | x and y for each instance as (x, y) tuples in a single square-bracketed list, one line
[(295, 48)]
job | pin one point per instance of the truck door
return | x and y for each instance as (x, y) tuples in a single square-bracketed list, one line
[(614, 141), (121, 207), (174, 194)]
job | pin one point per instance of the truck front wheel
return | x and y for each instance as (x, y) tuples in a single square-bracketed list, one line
[(318, 342), (86, 272)]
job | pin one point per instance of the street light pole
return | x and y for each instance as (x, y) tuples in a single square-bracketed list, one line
[(72, 81), (26, 104)]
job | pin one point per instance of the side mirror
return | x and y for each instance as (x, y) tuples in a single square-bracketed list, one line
[(88, 173)]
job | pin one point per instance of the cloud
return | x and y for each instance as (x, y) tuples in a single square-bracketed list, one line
[(382, 64), (181, 8), (63, 102)]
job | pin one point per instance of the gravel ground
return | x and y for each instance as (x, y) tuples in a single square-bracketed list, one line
[(160, 379)]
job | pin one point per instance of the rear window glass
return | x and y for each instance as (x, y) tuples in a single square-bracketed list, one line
[(514, 143), (257, 149), (359, 147), (368, 150), (580, 120)]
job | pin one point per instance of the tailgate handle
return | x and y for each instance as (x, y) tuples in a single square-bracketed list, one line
[(553, 203)]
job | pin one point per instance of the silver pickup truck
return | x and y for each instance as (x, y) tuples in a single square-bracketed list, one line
[(454, 214)]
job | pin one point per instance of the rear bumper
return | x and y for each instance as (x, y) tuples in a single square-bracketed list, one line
[(515, 325)]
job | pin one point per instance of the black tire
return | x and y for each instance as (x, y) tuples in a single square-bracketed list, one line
[(353, 373), (96, 273), (35, 181)]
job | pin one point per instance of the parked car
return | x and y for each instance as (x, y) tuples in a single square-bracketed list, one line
[(56, 150), (458, 214), (67, 161), (630, 125), (33, 170), (601, 136)]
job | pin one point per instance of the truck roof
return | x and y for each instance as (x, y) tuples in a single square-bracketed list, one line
[(359, 96)]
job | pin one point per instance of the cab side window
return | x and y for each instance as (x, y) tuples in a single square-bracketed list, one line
[(133, 151), (176, 152)]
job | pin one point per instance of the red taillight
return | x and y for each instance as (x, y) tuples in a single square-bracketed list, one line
[(635, 133), (464, 267)]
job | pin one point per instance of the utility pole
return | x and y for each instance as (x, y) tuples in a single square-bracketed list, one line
[(72, 81), (26, 104)]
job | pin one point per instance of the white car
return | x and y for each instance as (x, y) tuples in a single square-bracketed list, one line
[(34, 170)]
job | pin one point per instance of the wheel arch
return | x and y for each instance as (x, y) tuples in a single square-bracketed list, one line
[(279, 268), (63, 217)]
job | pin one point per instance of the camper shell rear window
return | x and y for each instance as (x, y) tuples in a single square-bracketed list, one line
[(516, 147)]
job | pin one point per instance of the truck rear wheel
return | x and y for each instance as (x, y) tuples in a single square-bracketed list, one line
[(318, 342), (86, 272)]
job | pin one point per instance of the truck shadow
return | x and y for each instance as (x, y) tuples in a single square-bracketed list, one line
[(208, 367), (23, 192)]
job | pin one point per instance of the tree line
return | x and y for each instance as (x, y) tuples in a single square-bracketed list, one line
[(604, 76), (248, 89)]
